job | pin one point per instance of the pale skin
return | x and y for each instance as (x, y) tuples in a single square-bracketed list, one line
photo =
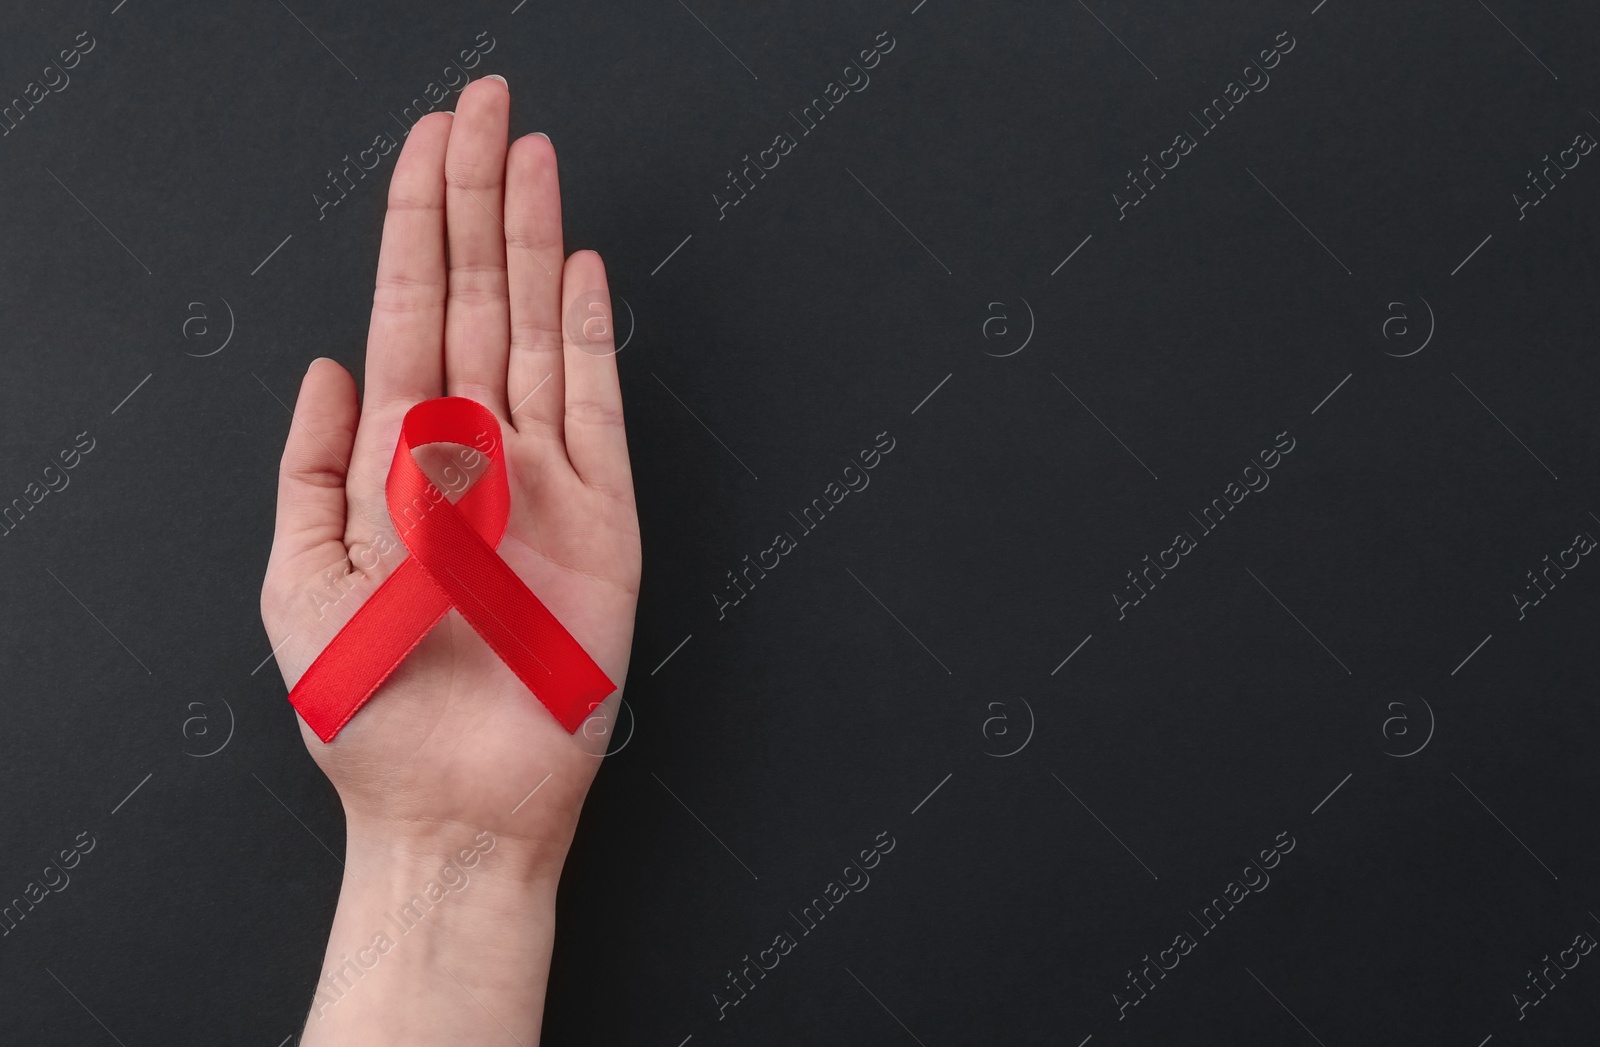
[(473, 293)]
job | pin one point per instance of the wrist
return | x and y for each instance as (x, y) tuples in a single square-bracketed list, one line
[(451, 854), (437, 936)]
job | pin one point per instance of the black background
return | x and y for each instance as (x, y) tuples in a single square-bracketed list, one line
[(1272, 683)]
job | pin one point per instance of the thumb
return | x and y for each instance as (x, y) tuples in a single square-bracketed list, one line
[(316, 460)]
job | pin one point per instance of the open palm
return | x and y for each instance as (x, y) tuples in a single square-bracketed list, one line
[(472, 288)]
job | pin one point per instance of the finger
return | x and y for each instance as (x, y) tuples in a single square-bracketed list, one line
[(477, 333), (534, 379), (316, 460), (597, 444), (405, 345)]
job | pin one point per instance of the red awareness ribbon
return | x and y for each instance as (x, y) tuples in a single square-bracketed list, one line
[(453, 563)]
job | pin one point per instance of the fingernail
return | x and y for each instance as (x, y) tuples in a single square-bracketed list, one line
[(546, 137), (497, 76)]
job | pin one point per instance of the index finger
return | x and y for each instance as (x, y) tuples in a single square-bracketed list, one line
[(405, 347)]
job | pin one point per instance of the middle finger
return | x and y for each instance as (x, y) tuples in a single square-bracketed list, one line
[(477, 313)]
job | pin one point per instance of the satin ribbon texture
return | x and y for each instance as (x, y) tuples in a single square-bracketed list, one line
[(453, 563)]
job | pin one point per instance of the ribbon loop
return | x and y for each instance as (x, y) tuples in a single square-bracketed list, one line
[(452, 563)]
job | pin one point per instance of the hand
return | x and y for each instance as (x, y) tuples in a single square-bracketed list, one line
[(472, 289)]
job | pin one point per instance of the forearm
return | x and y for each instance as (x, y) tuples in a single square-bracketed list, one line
[(445, 941)]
